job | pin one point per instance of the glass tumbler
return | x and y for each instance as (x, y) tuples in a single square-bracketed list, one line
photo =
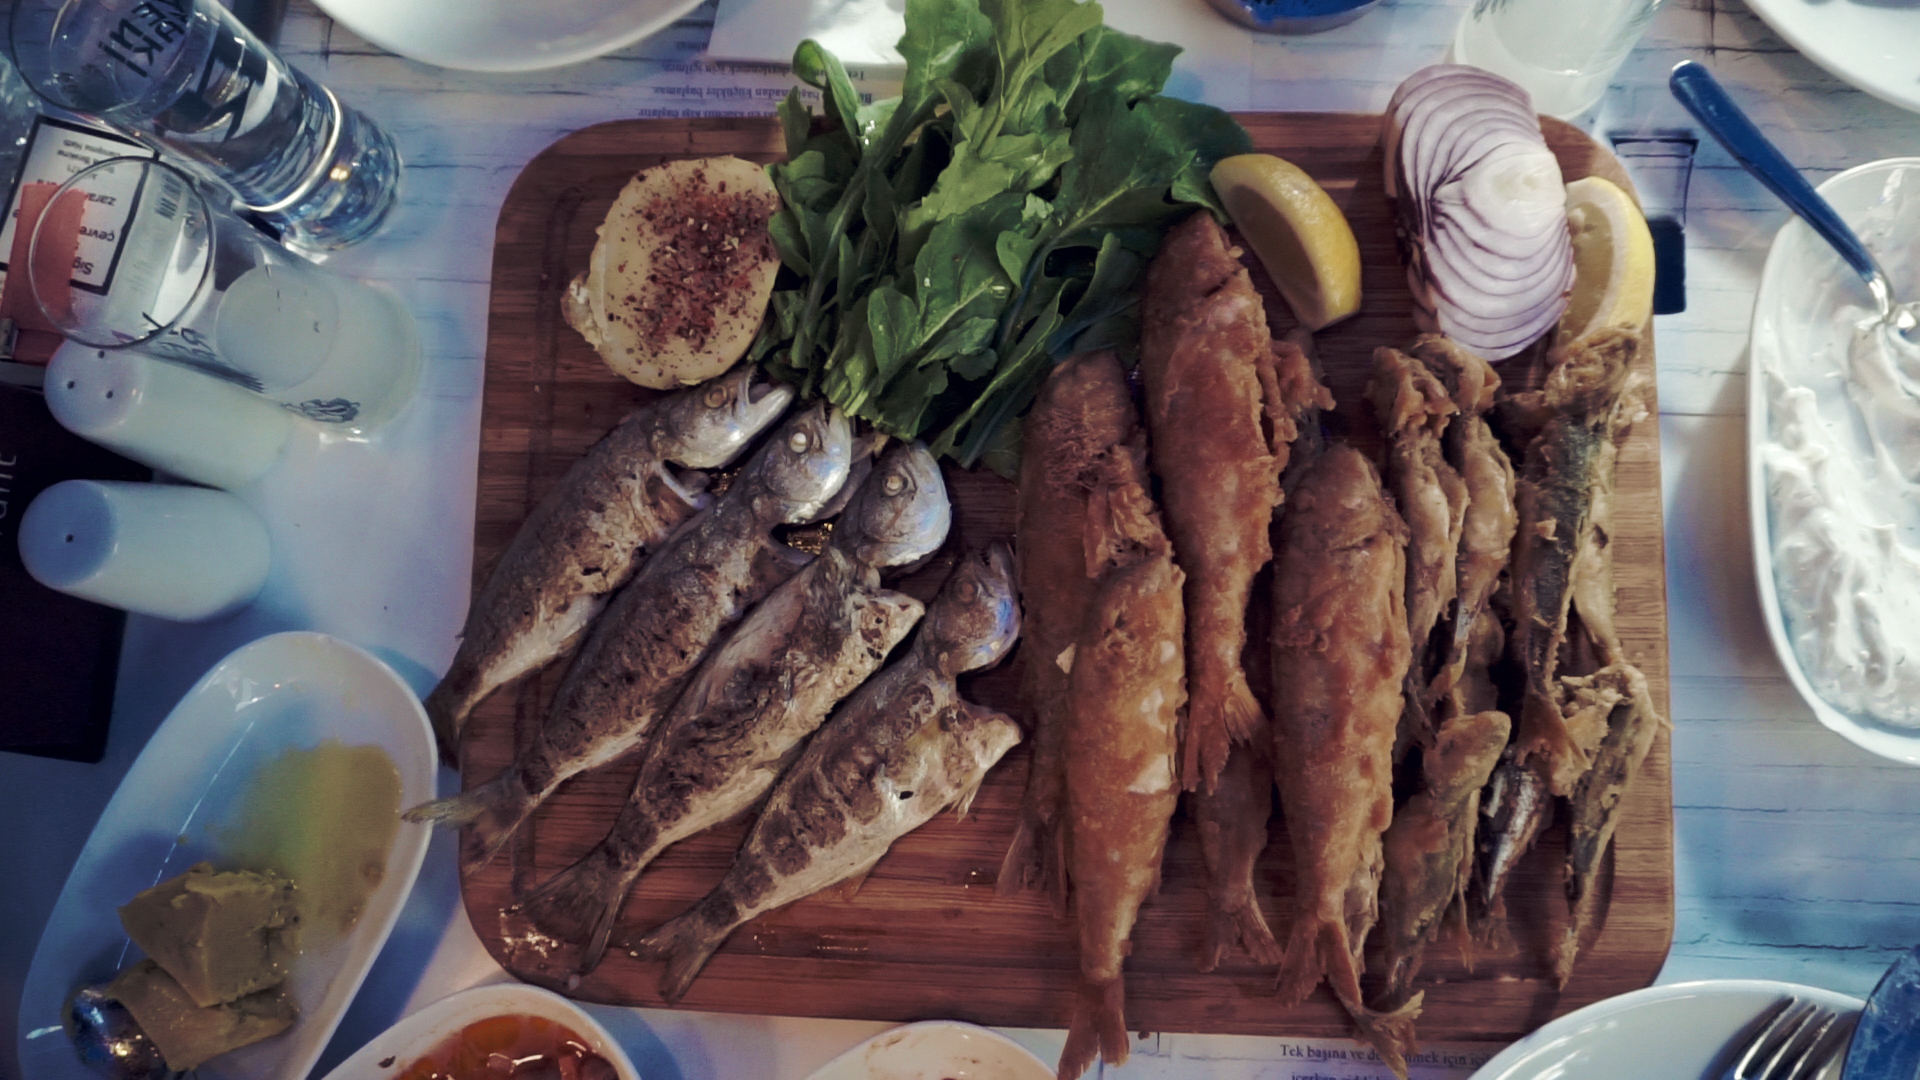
[(130, 252), (1562, 51), (185, 75)]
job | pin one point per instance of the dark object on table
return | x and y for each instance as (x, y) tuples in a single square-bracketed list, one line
[(1293, 16), (1660, 164), (109, 1039), (58, 654), (263, 17)]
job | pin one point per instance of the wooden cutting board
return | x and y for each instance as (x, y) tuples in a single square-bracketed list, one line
[(926, 936)]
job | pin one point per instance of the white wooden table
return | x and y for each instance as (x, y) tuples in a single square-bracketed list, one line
[(1798, 856)]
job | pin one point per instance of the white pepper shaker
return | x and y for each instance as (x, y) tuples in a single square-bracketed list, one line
[(171, 417)]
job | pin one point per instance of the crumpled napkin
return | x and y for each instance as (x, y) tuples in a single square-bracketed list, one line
[(1214, 66)]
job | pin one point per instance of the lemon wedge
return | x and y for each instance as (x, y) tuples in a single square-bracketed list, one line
[(1612, 260), (1301, 237)]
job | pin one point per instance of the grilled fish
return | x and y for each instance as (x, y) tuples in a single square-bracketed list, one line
[(1083, 409), (586, 537), (1206, 360), (644, 649), (904, 747), (1122, 740), (759, 696), (1340, 656)]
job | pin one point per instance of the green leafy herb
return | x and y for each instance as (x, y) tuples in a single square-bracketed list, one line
[(950, 245)]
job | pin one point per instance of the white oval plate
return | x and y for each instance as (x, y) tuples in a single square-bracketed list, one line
[(1674, 1032), (1869, 44), (1801, 287), (504, 35), (936, 1050), (394, 1049), (282, 692)]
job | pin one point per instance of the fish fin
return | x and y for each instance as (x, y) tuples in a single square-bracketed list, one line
[(1391, 1034), (1242, 715), (1021, 867), (580, 904), (447, 707), (1243, 925), (490, 813), (1098, 1028), (1301, 961), (848, 887), (686, 944), (1053, 870)]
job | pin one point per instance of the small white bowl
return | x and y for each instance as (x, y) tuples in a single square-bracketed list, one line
[(406, 1042), (1801, 288), (936, 1050)]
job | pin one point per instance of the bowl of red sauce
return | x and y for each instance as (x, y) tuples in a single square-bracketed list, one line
[(505, 1031)]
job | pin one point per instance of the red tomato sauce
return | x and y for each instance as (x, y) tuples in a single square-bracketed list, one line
[(513, 1047)]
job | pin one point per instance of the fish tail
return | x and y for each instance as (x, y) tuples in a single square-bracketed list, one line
[(1391, 1034), (686, 944), (1098, 1028), (1581, 910), (490, 813), (581, 902), (1243, 925), (1304, 960)]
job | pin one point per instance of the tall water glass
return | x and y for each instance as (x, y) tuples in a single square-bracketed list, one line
[(188, 76), (130, 252), (1563, 52)]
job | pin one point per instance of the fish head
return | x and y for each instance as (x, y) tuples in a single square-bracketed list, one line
[(901, 512), (803, 466), (976, 618), (705, 426)]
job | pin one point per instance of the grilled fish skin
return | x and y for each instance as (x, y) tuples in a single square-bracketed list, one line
[(1340, 655), (1205, 359), (644, 649), (1083, 409), (586, 537), (758, 697), (1122, 741), (904, 747)]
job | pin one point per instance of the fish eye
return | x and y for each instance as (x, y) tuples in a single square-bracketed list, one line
[(799, 441), (716, 396), (894, 484)]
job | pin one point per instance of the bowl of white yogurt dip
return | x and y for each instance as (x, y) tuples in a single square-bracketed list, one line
[(1833, 420)]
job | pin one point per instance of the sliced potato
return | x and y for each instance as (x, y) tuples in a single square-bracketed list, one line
[(680, 276)]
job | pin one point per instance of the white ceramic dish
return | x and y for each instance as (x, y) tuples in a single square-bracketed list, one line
[(504, 35), (282, 692), (1674, 1032), (1869, 43), (1803, 284), (936, 1050), (394, 1049)]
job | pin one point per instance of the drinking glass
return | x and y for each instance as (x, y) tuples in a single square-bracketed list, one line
[(157, 264), (1562, 51), (185, 75)]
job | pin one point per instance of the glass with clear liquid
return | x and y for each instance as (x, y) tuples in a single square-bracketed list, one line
[(187, 76), (1563, 52), (131, 253)]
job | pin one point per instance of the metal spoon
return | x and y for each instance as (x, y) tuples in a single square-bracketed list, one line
[(1703, 96), (109, 1039)]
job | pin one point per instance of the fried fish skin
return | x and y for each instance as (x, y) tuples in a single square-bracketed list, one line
[(1128, 684), (760, 694), (904, 747), (1340, 656), (641, 653), (587, 536), (1083, 409), (1231, 822), (1205, 357), (1632, 722)]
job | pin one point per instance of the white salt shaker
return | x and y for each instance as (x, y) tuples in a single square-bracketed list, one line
[(161, 414), (171, 551)]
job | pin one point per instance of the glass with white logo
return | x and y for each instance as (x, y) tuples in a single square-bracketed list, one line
[(188, 77), (131, 252)]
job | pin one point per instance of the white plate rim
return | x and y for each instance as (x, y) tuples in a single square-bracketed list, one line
[(1568, 1028), (421, 1031), (847, 1065), (651, 19), (1885, 741), (1822, 52), (403, 862)]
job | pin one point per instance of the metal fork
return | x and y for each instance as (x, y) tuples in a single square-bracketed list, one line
[(1796, 1040)]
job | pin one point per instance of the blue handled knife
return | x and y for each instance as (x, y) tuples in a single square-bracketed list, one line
[(1886, 1044)]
